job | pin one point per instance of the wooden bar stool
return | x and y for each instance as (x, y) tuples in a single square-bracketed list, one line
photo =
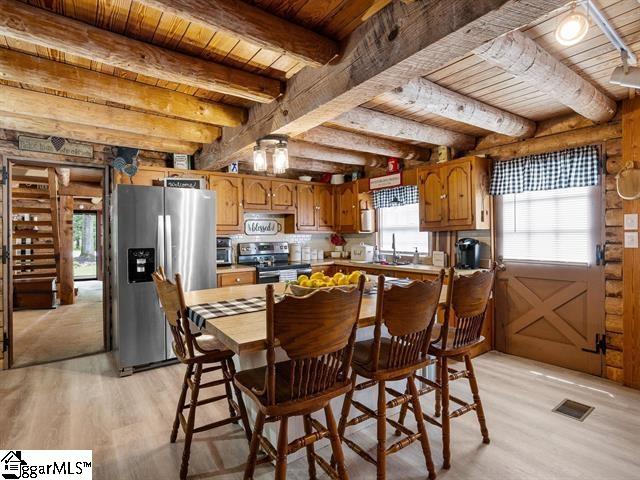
[(317, 332), (467, 301), (201, 354), (408, 314)]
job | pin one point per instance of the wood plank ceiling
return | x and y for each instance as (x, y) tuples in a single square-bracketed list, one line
[(593, 58)]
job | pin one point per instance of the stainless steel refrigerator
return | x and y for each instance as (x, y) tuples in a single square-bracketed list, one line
[(156, 226)]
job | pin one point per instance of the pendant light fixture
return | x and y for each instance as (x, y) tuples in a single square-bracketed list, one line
[(259, 158), (277, 145), (280, 157), (572, 28)]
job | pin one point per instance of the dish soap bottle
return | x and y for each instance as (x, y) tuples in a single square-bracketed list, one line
[(416, 257)]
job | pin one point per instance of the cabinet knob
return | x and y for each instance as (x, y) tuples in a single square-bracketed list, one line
[(237, 280)]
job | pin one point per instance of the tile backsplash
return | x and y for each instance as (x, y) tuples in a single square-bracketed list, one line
[(319, 241)]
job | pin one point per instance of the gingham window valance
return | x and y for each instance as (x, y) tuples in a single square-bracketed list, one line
[(395, 197), (574, 167)]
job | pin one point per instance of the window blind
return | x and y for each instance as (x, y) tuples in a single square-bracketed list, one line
[(550, 225), (404, 222)]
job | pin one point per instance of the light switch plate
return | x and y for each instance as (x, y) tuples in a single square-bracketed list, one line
[(630, 239), (631, 221)]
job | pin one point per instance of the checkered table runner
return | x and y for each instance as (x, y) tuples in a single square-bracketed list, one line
[(199, 314), (403, 282)]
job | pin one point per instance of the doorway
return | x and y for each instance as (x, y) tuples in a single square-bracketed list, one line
[(550, 284), (55, 233)]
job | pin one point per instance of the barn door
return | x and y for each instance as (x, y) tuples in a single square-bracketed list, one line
[(550, 287)]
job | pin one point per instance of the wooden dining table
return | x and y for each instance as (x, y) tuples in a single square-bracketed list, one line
[(247, 332)]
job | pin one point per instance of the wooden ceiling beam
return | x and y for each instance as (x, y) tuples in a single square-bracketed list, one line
[(334, 155), (363, 143), (40, 72), (261, 28), (92, 134), (523, 58), (27, 102), (378, 123), (38, 26), (305, 165), (399, 43), (431, 97)]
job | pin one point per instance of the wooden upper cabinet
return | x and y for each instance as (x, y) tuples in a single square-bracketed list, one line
[(325, 207), (454, 195), (283, 196), (431, 190), (458, 207), (306, 216), (347, 209), (257, 194), (229, 209)]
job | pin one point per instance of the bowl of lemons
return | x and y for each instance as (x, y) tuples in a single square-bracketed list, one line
[(304, 284)]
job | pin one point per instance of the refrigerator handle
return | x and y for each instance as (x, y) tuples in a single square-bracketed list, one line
[(160, 243), (168, 247)]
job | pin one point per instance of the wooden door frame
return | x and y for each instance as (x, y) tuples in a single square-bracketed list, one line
[(7, 287)]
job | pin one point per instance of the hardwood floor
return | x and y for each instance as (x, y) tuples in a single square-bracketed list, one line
[(64, 332), (80, 403)]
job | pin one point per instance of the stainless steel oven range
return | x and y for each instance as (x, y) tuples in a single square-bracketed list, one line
[(271, 260)]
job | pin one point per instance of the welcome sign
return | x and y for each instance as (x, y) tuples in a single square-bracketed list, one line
[(262, 227)]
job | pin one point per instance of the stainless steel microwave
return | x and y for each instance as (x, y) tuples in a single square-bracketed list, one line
[(224, 251)]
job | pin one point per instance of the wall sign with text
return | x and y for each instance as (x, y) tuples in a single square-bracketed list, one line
[(262, 227), (385, 182)]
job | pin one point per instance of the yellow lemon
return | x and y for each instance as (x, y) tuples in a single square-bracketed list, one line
[(353, 278), (326, 278), (305, 283), (343, 281), (331, 283), (317, 276), (338, 276), (302, 278), (315, 283)]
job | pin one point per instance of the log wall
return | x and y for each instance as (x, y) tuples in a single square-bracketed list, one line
[(573, 131)]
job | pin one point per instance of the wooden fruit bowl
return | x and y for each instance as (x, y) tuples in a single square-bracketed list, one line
[(300, 291)]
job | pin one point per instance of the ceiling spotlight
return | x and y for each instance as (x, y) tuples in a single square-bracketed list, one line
[(572, 28), (259, 158)]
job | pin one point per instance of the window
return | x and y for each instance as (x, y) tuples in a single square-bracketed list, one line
[(85, 241), (404, 222), (551, 225)]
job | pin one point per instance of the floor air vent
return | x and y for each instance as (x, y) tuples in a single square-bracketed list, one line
[(576, 410)]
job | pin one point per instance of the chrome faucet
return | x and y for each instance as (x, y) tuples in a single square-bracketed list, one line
[(394, 257)]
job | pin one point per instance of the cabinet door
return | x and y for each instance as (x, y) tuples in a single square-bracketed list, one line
[(347, 210), (306, 218), (257, 194), (228, 203), (326, 206), (431, 199), (458, 204), (283, 196)]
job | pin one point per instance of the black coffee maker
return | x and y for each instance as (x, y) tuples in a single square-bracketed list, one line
[(467, 253)]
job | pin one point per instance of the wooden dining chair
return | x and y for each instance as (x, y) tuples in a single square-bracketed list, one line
[(408, 313), (317, 333), (466, 308), (201, 354)]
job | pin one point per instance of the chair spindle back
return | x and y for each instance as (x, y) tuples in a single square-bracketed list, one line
[(172, 301), (468, 298), (317, 332), (408, 312)]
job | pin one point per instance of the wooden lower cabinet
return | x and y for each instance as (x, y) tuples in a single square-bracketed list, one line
[(236, 278)]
